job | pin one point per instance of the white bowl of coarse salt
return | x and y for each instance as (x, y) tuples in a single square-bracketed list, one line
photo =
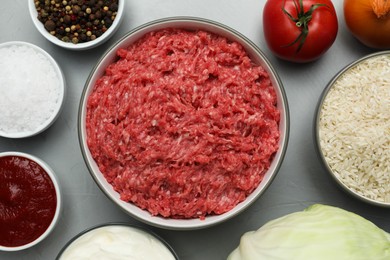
[(32, 90), (353, 128)]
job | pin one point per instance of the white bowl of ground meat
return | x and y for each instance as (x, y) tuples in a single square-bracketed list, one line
[(352, 128), (183, 123)]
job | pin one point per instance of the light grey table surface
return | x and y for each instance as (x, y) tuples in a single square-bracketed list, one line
[(301, 181)]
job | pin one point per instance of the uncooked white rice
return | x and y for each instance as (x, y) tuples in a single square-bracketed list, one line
[(354, 128)]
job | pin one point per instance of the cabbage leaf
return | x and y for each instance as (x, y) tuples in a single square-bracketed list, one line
[(319, 232)]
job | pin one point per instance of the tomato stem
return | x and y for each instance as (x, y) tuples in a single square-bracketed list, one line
[(381, 8), (302, 21)]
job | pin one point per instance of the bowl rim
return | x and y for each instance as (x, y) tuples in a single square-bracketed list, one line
[(158, 221), (58, 192), (62, 90), (122, 224), (316, 129), (79, 46)]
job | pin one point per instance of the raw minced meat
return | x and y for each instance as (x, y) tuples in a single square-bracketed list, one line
[(183, 124)]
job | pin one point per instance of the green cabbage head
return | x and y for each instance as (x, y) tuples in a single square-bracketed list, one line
[(319, 232)]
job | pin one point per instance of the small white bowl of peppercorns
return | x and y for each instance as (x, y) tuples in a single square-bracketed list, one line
[(77, 24)]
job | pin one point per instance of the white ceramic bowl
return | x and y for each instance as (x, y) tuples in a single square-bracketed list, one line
[(58, 208), (60, 99), (144, 238), (188, 23), (79, 46), (321, 142)]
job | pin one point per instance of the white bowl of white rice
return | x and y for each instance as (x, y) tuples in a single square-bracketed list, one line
[(32, 90), (353, 128)]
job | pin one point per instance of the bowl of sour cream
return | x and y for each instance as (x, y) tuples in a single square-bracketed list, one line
[(117, 241)]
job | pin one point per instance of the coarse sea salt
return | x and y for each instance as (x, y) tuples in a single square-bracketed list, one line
[(30, 90)]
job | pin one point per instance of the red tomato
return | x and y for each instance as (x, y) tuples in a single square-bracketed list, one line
[(299, 30)]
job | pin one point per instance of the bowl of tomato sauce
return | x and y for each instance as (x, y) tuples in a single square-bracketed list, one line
[(30, 201)]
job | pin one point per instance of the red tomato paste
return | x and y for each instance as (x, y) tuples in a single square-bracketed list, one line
[(27, 201), (183, 124)]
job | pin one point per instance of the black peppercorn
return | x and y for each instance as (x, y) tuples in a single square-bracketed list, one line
[(114, 7), (76, 20), (50, 25), (99, 4), (60, 31), (67, 19), (98, 33), (98, 14), (83, 37), (107, 21)]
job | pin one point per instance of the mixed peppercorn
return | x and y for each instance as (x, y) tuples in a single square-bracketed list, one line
[(76, 21)]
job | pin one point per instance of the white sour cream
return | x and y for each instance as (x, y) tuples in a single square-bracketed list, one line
[(117, 242)]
